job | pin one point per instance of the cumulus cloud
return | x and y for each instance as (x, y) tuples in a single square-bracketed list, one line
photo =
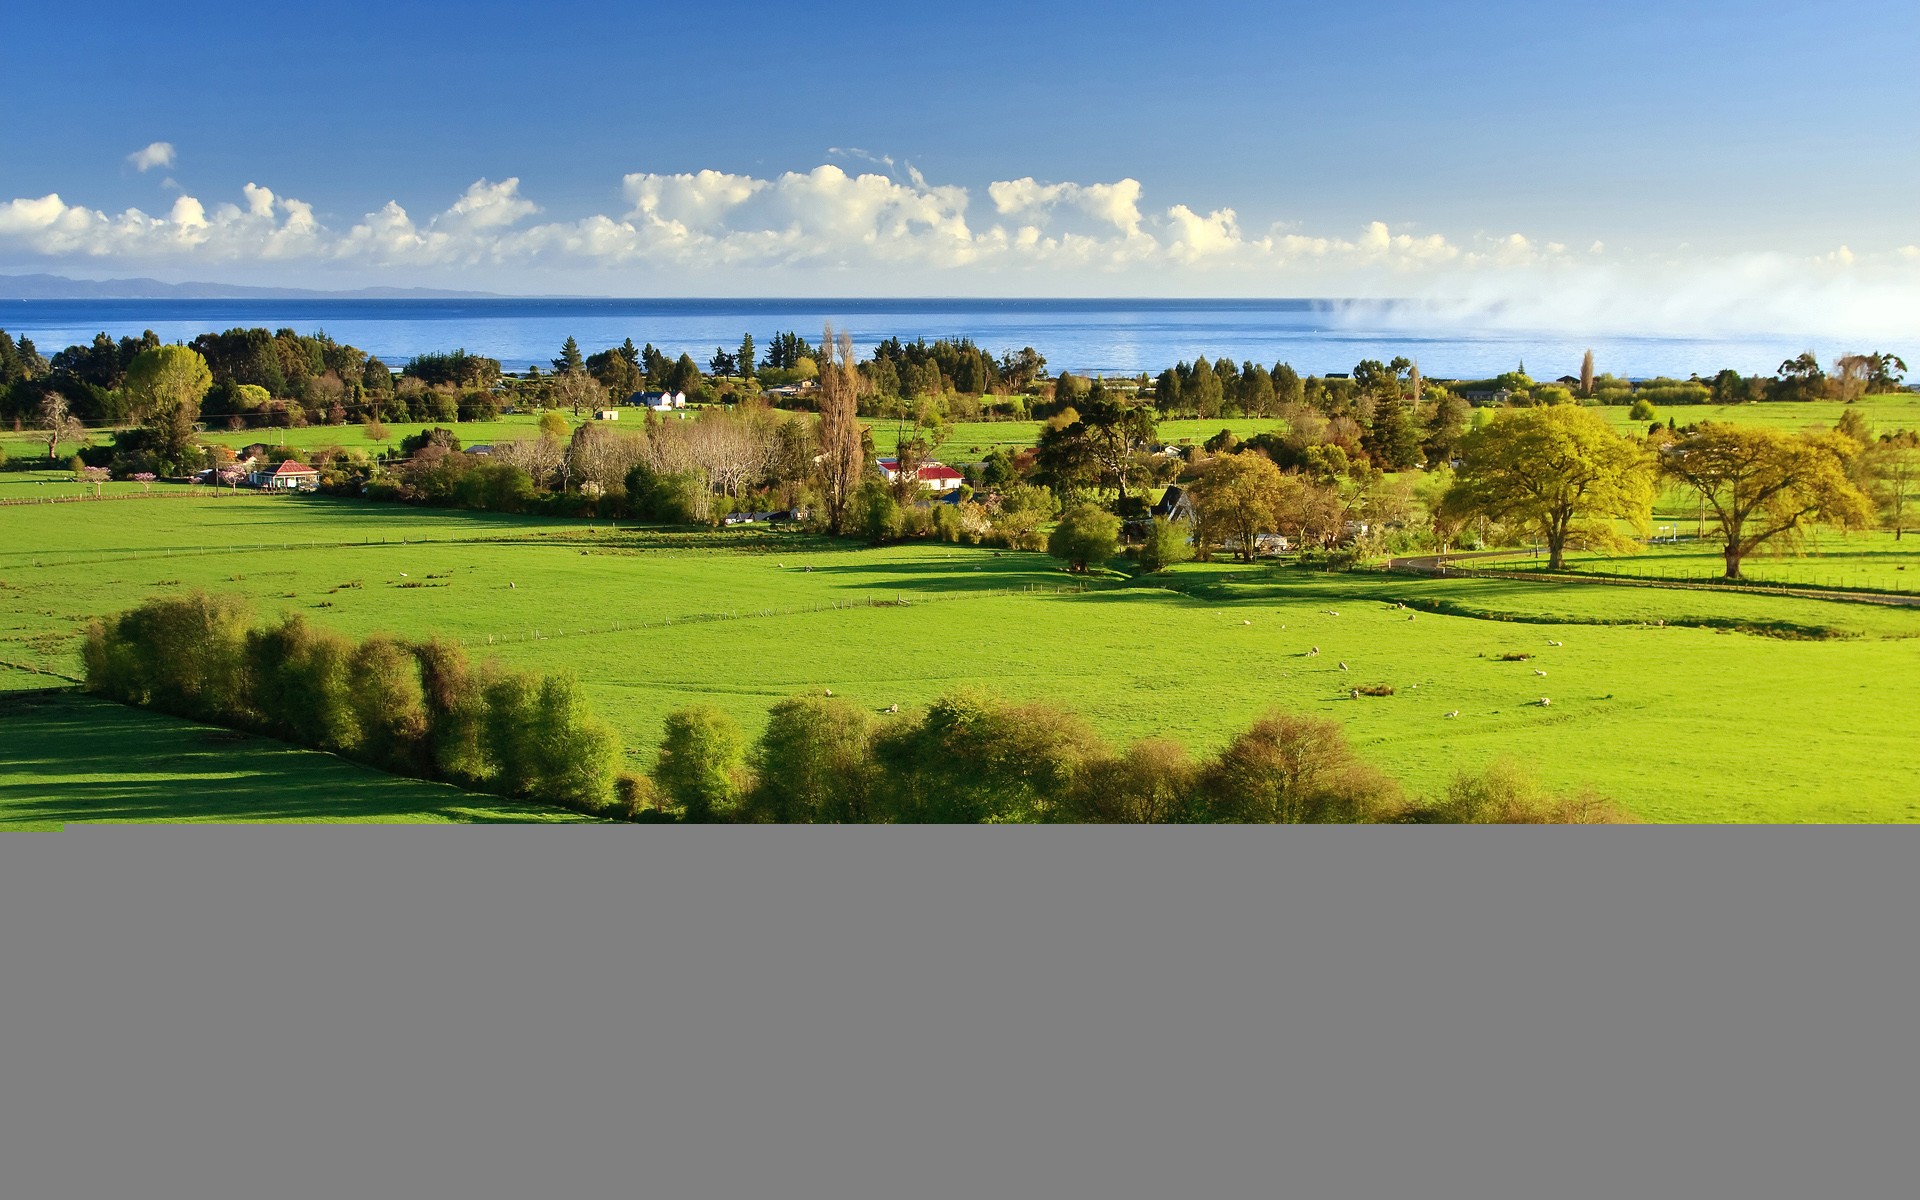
[(154, 154), (804, 230)]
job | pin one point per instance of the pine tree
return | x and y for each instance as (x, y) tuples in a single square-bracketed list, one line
[(569, 361)]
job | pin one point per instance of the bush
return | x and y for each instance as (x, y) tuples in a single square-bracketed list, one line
[(1086, 535), (701, 769), (1295, 770), (1505, 794), (1167, 543), (813, 762), (1643, 410)]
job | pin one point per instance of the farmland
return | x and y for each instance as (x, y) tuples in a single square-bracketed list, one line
[(1670, 701)]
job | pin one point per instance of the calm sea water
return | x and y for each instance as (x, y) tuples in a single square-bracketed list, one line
[(1107, 336)]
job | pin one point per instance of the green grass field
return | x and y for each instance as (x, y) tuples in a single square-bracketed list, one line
[(1865, 561), (1690, 721), (67, 759)]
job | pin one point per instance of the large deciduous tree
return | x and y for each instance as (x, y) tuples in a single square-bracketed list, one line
[(1766, 487), (1558, 474), (164, 386), (1893, 466), (1238, 498)]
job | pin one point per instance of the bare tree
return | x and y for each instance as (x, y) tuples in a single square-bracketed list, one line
[(57, 421), (1851, 373), (1586, 374), (842, 457), (538, 457)]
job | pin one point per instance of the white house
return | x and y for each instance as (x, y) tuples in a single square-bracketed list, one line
[(290, 476), (936, 477), (659, 401)]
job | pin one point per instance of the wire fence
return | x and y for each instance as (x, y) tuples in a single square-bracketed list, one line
[(1898, 599)]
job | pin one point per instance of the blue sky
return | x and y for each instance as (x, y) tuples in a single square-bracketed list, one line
[(1635, 137)]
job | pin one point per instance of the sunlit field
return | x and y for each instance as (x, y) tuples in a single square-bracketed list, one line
[(1680, 704)]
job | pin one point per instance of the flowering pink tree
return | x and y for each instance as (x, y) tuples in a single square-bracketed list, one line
[(231, 476), (144, 479), (95, 476)]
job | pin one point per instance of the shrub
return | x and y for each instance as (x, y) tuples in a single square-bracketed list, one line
[(1505, 794), (1153, 782), (1085, 536), (1643, 410), (701, 769), (1167, 543), (975, 758), (813, 762), (1294, 770)]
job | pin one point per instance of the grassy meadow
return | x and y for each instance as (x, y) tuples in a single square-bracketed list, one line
[(1670, 701)]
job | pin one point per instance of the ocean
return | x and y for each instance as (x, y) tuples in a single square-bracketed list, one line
[(1112, 337)]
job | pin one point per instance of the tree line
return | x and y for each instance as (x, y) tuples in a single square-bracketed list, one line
[(413, 708), (421, 709)]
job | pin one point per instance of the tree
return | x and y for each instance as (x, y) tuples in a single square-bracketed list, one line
[(569, 362), (1586, 374), (743, 359), (1086, 535), (722, 364), (702, 763), (843, 455), (165, 386), (577, 390), (1894, 467), (552, 425), (1558, 474), (812, 762), (1238, 499), (55, 419), (1167, 543), (1765, 486), (1101, 446), (685, 376)]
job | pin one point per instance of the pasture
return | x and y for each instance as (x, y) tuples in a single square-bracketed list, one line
[(1737, 708), (66, 759)]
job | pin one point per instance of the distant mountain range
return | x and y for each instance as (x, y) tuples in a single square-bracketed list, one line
[(59, 287)]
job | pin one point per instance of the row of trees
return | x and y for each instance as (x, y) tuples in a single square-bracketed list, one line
[(418, 709), (1562, 477), (972, 758), (422, 709)]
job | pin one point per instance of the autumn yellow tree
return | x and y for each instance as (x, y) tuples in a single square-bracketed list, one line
[(1558, 474), (1766, 487)]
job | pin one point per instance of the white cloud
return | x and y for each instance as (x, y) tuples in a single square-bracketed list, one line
[(828, 229), (154, 154)]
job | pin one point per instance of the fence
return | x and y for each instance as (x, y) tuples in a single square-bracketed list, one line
[(1443, 570)]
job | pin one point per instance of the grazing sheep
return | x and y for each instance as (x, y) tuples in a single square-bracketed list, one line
[(1538, 671), (893, 708), (1551, 642), (1343, 666), (510, 585), (1246, 622), (1353, 693), (829, 691), (1544, 702), (1453, 714), (1415, 685), (1410, 616)]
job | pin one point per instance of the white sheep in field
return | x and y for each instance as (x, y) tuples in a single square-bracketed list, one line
[(1343, 666), (1353, 693), (893, 708), (1551, 642), (1453, 714), (829, 691), (1246, 622), (1544, 702), (1538, 671)]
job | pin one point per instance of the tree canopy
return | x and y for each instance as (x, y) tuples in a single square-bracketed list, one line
[(1767, 487), (1558, 474)]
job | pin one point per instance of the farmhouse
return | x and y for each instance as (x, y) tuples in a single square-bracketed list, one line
[(289, 476), (936, 477), (659, 401)]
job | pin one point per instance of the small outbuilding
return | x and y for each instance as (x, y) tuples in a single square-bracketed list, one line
[(289, 476)]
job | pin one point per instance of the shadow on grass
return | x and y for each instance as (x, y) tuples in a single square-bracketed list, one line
[(65, 757)]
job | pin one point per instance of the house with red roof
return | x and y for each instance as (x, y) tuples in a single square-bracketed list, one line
[(936, 477), (289, 476)]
